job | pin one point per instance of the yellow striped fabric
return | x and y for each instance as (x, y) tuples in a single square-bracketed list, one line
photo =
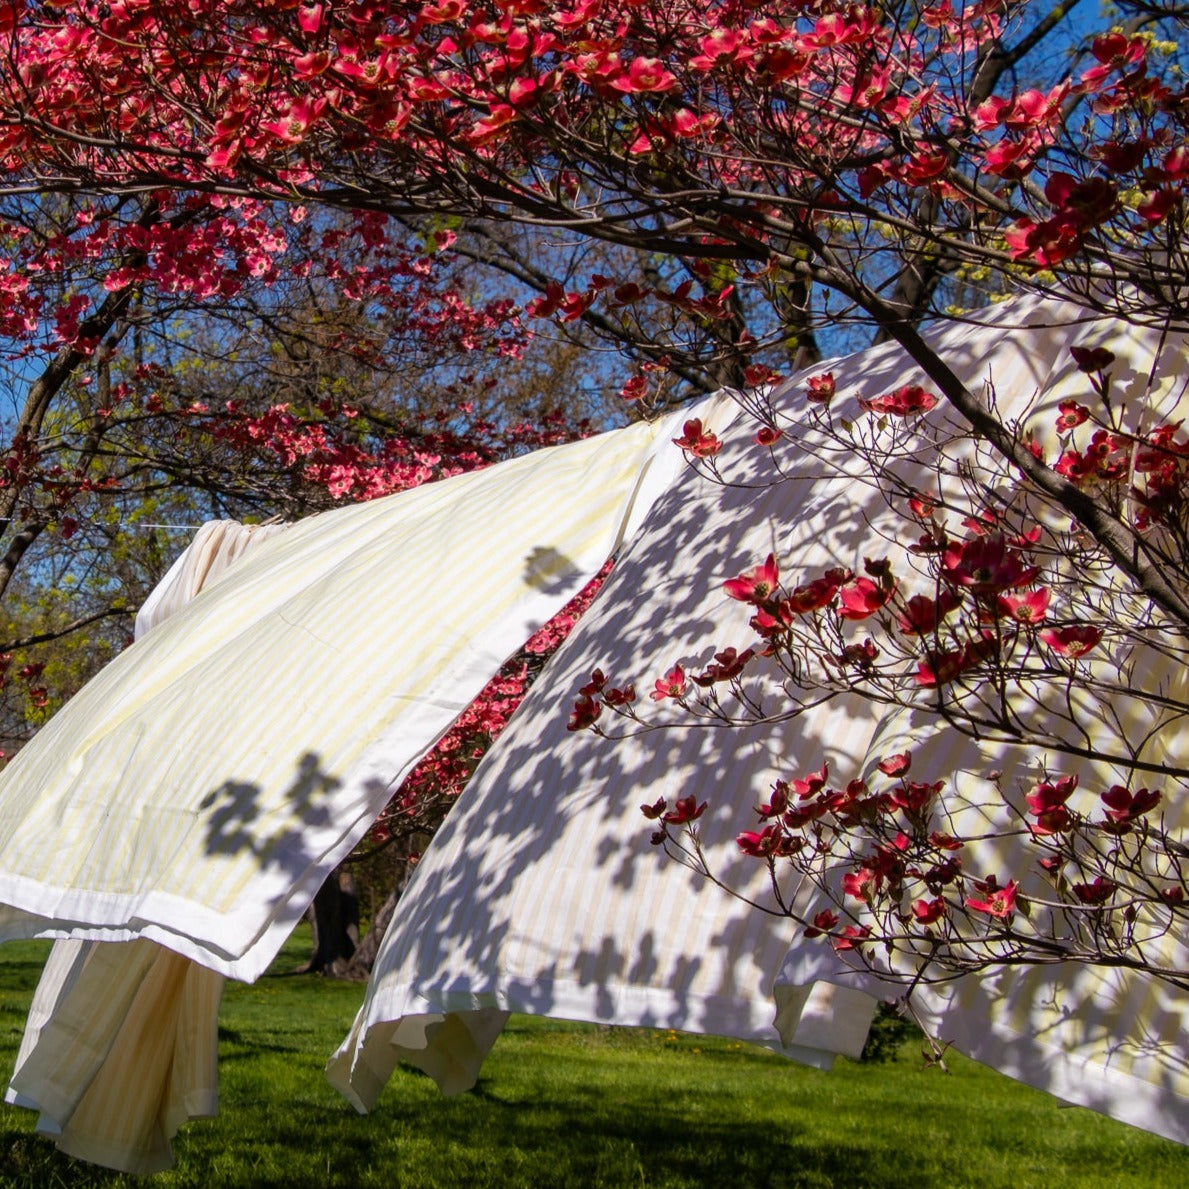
[(541, 893), (194, 796), (124, 1055), (120, 1046), (199, 789)]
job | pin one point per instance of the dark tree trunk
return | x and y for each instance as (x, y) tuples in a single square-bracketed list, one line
[(360, 965), (335, 919)]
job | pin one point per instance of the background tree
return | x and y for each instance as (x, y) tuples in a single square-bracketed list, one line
[(276, 396)]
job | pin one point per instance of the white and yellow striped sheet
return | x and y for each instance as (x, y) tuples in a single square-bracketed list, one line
[(120, 1045), (194, 795), (119, 1050), (1103, 1039), (199, 789), (541, 893)]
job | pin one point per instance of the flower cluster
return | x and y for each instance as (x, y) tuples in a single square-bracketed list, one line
[(902, 891)]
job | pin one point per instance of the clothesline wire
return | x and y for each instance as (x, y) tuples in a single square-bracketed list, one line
[(186, 527), (189, 528)]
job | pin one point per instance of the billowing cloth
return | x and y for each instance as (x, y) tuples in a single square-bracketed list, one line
[(191, 799), (121, 1043), (1118, 1043), (541, 893), (199, 789), (216, 545)]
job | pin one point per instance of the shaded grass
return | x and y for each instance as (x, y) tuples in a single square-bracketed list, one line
[(573, 1105)]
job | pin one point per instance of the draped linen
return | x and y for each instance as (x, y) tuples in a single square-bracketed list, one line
[(174, 820), (541, 894), (215, 547), (121, 1043), (120, 1049)]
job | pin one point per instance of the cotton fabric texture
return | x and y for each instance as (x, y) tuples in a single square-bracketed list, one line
[(173, 822), (541, 893)]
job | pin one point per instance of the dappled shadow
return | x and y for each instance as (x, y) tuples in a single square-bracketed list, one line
[(548, 570), (233, 815), (541, 893)]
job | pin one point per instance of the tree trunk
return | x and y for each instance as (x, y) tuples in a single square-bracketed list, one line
[(335, 919), (360, 965)]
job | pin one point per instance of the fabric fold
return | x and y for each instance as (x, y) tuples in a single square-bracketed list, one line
[(124, 1055), (76, 1051), (540, 894), (206, 782), (217, 545)]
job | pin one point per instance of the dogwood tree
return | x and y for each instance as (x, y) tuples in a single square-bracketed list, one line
[(264, 396), (781, 167), (838, 160), (979, 609)]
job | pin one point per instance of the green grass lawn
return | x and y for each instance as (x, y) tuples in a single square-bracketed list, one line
[(573, 1105)]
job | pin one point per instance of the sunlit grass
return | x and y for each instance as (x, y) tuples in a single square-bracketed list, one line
[(572, 1105)]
